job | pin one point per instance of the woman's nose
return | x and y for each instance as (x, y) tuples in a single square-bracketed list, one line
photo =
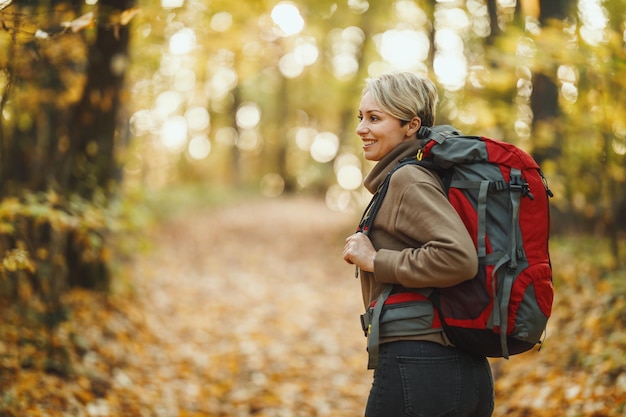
[(360, 128)]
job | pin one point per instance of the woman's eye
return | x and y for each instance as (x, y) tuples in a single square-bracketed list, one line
[(370, 118)]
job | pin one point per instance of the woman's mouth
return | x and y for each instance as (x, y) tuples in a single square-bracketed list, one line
[(367, 143)]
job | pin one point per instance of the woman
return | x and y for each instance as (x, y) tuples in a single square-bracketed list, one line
[(417, 241)]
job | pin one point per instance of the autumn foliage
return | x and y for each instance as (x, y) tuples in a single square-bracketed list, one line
[(248, 310)]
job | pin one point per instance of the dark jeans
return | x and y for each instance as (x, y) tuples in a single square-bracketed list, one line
[(425, 379)]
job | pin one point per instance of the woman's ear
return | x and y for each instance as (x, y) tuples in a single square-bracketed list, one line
[(413, 126)]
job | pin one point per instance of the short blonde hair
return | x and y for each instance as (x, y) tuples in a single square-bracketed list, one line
[(404, 95)]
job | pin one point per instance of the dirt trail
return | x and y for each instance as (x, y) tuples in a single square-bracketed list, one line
[(248, 310), (254, 313)]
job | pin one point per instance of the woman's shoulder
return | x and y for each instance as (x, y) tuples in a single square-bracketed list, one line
[(412, 173)]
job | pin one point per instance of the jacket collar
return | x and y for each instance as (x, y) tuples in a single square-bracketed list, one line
[(387, 162)]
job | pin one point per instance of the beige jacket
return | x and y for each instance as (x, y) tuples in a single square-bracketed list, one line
[(420, 238)]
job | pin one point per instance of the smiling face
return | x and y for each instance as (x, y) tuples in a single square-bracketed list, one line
[(380, 131)]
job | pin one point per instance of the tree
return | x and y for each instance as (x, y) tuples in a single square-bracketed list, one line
[(63, 67), (544, 100)]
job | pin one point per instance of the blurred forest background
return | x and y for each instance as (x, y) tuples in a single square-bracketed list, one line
[(118, 115)]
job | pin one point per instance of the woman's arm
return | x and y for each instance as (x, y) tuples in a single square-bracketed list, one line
[(430, 246)]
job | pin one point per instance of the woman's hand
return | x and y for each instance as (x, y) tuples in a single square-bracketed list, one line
[(360, 251)]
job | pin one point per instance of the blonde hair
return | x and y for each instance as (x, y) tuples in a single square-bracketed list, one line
[(404, 95)]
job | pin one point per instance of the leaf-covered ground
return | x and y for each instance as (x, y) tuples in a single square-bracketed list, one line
[(249, 310)]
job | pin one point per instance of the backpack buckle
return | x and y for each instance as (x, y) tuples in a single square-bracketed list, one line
[(366, 321), (517, 183)]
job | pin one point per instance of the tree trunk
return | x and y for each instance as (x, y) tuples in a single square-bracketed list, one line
[(64, 95), (91, 164), (96, 132), (544, 100)]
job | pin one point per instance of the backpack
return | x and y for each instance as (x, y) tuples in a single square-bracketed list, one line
[(502, 196)]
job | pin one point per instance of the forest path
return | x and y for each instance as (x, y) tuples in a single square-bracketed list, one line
[(247, 309), (253, 312)]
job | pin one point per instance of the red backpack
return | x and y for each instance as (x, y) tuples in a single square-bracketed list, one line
[(502, 197)]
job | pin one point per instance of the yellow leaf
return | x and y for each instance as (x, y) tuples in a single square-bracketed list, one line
[(42, 253), (15, 259), (9, 264)]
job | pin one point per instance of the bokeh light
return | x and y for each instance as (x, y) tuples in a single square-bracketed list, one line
[(198, 118), (305, 137), (174, 134), (290, 66), (594, 18), (182, 42), (287, 17), (404, 49), (348, 171), (221, 22), (409, 11), (324, 147), (306, 51), (358, 6), (167, 103), (450, 63), (451, 70), (172, 4), (349, 177), (199, 147), (337, 198), (224, 79), (346, 46), (226, 136), (141, 122), (248, 116), (249, 140), (452, 25), (619, 141), (272, 185)]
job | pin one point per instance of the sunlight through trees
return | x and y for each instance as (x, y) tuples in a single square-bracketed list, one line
[(111, 107)]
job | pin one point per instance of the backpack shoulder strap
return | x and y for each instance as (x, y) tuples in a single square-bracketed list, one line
[(377, 199), (437, 133), (373, 336), (367, 219)]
